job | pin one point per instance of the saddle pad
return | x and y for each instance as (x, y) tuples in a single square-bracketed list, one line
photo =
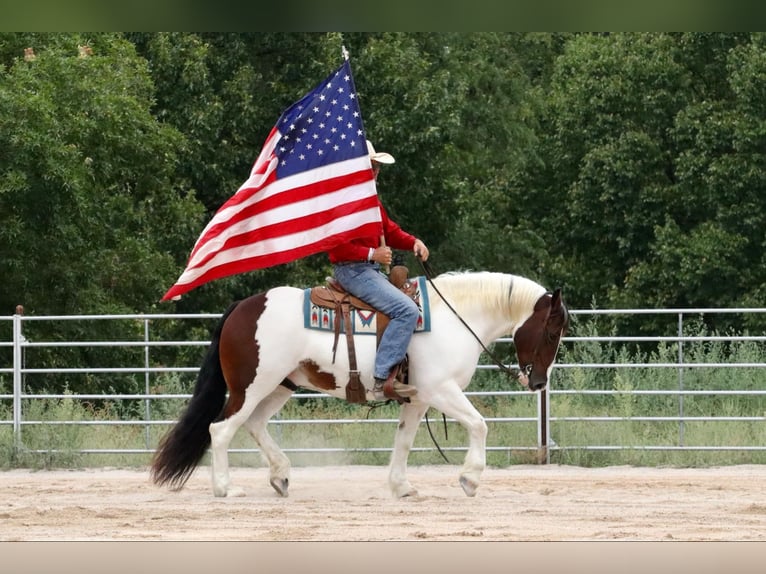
[(363, 322)]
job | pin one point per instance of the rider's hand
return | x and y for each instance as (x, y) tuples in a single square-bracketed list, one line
[(383, 255), (420, 250)]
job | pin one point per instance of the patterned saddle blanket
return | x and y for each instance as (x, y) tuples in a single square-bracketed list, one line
[(363, 320)]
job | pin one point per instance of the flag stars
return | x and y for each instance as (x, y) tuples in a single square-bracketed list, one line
[(328, 126)]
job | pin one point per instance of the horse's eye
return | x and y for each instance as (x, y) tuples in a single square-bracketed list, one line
[(528, 369)]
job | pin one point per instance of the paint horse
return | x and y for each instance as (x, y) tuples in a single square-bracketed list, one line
[(261, 351)]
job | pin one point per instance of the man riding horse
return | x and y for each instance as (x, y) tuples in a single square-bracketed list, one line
[(356, 266)]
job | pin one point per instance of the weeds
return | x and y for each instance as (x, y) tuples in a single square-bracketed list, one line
[(623, 424)]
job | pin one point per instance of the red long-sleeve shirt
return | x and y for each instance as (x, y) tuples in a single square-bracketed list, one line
[(359, 249)]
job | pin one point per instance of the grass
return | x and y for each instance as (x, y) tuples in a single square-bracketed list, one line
[(626, 438)]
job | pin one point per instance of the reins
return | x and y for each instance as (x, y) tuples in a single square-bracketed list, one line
[(510, 371)]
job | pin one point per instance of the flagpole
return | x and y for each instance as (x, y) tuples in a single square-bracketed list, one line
[(386, 268)]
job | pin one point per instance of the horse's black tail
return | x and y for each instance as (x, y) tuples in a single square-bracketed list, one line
[(180, 451)]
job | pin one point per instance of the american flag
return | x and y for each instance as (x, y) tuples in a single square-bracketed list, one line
[(311, 188)]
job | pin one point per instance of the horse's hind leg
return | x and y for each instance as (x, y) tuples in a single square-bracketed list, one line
[(221, 433), (256, 424), (410, 416), (238, 409)]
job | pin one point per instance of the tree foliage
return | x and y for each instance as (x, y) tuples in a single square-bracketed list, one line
[(91, 213), (627, 168), (654, 153)]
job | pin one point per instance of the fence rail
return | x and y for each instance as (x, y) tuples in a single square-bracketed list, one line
[(546, 410)]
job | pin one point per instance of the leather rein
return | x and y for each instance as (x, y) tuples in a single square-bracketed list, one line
[(510, 371)]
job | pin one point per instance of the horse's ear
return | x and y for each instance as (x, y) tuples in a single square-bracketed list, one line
[(556, 299)]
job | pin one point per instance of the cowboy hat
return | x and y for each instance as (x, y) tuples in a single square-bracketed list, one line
[(379, 156)]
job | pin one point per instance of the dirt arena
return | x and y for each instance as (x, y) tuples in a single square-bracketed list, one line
[(351, 503)]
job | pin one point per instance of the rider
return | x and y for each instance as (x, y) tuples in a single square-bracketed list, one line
[(356, 266)]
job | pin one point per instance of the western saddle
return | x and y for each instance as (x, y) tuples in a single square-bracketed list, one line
[(333, 296)]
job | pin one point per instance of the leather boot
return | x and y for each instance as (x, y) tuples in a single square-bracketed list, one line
[(377, 389)]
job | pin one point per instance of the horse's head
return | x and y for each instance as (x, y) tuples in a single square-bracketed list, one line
[(537, 340)]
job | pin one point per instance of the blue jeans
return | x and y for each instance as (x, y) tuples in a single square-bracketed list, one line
[(364, 280)]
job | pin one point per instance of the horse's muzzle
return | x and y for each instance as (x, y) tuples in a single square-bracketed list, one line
[(535, 383)]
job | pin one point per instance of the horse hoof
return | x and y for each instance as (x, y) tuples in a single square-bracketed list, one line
[(469, 486), (280, 485), (407, 493), (236, 492)]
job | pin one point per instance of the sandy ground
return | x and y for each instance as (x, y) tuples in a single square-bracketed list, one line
[(352, 503)]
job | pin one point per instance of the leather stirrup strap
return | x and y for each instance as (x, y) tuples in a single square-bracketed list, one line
[(355, 392), (336, 328), (336, 321)]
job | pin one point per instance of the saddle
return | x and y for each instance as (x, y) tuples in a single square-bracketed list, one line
[(333, 296)]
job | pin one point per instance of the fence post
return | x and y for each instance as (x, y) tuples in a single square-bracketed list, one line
[(147, 385), (18, 337), (680, 379), (542, 427)]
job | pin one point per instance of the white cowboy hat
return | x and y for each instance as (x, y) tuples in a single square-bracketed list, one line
[(379, 156)]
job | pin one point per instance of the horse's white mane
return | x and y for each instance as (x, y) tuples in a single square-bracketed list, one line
[(507, 294)]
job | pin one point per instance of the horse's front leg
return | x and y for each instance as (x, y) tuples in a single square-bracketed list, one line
[(452, 402), (279, 464), (410, 416)]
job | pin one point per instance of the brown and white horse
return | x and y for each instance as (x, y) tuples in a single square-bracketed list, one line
[(261, 349)]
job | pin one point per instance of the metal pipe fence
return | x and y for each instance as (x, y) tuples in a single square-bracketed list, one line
[(551, 415)]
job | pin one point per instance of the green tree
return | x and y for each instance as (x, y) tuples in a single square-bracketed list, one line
[(90, 219), (713, 240), (652, 148)]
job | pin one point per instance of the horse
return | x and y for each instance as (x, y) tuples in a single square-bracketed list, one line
[(261, 352)]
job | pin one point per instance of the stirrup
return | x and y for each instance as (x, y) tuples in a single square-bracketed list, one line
[(404, 390)]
